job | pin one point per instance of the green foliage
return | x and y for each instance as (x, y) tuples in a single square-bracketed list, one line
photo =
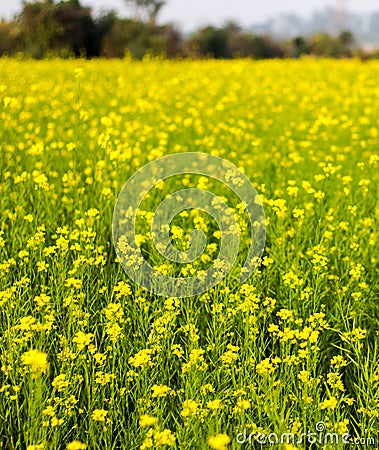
[(323, 44), (212, 41), (146, 10), (300, 46), (138, 38), (67, 28), (43, 27), (87, 356), (229, 42)]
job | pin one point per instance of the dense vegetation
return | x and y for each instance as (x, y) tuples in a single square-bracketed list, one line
[(66, 28), (88, 358)]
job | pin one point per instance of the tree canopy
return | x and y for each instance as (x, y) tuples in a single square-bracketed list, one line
[(68, 28)]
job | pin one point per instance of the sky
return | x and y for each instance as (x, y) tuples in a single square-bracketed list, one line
[(190, 14)]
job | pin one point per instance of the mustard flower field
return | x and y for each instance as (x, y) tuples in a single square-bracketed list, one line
[(89, 360)]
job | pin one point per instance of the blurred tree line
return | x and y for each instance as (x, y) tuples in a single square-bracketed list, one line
[(66, 28)]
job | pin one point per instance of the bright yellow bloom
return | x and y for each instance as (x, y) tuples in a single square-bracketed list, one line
[(36, 359), (142, 358), (164, 437), (60, 382), (82, 339), (76, 445), (190, 408), (147, 421), (99, 415), (219, 441), (330, 403), (214, 404), (160, 390)]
